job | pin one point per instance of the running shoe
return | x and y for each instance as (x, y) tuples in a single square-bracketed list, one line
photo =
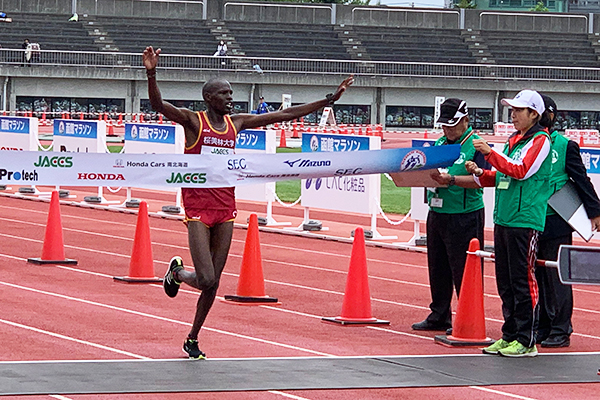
[(494, 348), (190, 346), (170, 284), (516, 349)]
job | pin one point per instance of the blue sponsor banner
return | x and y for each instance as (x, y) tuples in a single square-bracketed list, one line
[(150, 133), (591, 160), (423, 142), (333, 143), (14, 125), (75, 128), (251, 139)]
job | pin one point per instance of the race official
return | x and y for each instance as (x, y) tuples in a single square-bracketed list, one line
[(556, 299), (456, 216)]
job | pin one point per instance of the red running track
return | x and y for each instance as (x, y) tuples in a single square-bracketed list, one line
[(56, 312)]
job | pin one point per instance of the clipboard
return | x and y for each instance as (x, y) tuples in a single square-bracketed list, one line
[(568, 205), (419, 178)]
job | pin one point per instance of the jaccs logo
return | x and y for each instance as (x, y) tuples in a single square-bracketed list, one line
[(56, 162), (177, 177)]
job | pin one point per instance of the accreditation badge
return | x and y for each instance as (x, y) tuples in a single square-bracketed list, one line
[(504, 183), (437, 202)]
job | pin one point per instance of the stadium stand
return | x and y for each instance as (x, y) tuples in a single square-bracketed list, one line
[(51, 31), (288, 40), (173, 36), (541, 48), (422, 45)]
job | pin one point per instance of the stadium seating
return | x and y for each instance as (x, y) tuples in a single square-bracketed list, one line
[(173, 36), (414, 45), (543, 49), (299, 41), (280, 40), (51, 31)]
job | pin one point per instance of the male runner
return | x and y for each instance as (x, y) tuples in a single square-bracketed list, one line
[(209, 213)]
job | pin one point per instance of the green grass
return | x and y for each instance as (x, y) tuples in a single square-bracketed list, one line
[(395, 200)]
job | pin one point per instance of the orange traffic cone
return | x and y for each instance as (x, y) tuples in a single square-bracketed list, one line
[(120, 120), (282, 140), (111, 128), (469, 323), (160, 118), (425, 136), (251, 285), (53, 251), (581, 143), (356, 308), (141, 266)]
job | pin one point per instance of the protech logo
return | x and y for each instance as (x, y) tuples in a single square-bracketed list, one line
[(56, 162), (18, 176), (177, 177), (305, 163), (91, 176)]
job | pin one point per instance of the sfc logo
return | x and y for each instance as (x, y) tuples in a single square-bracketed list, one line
[(412, 160)]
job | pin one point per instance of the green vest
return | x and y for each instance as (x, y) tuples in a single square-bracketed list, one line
[(559, 157), (523, 203), (454, 199)]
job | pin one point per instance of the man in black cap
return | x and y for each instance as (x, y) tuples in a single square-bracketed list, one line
[(263, 107), (455, 217), (556, 299)]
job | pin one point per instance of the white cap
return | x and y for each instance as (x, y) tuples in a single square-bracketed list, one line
[(526, 99)]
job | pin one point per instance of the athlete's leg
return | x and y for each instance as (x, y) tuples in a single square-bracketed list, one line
[(209, 248)]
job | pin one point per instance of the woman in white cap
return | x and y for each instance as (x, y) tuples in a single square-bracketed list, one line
[(522, 190)]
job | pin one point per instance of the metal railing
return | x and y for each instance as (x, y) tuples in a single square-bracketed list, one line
[(133, 61)]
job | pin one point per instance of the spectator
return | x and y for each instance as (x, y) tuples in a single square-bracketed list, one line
[(257, 69), (456, 215), (26, 54), (221, 50), (556, 299), (263, 107)]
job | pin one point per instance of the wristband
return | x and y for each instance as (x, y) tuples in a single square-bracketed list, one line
[(452, 181), (151, 73), (330, 99)]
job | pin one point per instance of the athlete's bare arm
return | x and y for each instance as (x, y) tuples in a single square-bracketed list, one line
[(249, 121), (186, 118)]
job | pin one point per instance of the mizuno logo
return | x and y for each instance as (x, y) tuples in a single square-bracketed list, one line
[(304, 163)]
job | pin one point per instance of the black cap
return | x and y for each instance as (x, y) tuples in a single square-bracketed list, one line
[(452, 111), (549, 103)]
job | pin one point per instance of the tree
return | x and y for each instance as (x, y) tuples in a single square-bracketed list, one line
[(465, 4), (539, 7)]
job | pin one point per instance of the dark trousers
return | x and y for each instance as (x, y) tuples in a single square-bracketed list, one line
[(556, 299), (448, 237), (515, 256)]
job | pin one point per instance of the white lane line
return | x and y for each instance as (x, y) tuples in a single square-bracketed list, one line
[(157, 317), (59, 397), (514, 396), (496, 320), (184, 248), (72, 339), (289, 396)]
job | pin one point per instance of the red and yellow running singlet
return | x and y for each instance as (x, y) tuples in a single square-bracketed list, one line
[(211, 205)]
